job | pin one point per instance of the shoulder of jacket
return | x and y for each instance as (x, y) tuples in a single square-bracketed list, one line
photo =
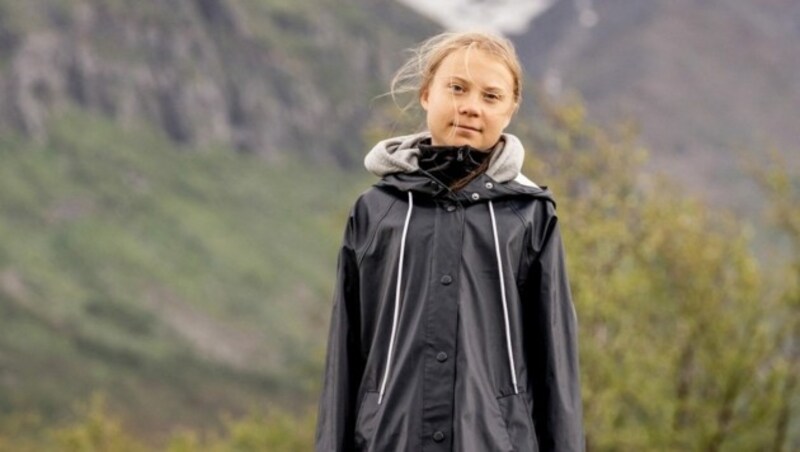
[(372, 200), (534, 208), (538, 215), (368, 211)]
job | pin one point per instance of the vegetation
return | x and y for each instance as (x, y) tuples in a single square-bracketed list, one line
[(95, 429), (182, 284), (684, 343), (113, 236), (154, 296)]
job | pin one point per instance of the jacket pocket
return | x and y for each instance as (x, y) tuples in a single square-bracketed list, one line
[(518, 417), (366, 421)]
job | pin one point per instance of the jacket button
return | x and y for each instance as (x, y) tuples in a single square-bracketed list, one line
[(441, 357), (450, 207), (489, 185), (438, 436), (446, 280), (476, 196)]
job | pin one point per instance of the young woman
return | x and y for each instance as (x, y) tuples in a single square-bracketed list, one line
[(453, 327)]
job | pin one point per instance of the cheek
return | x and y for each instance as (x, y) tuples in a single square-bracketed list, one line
[(440, 108), (506, 118), (501, 121)]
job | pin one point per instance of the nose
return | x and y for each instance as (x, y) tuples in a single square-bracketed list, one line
[(468, 106)]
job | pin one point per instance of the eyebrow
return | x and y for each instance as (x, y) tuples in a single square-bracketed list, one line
[(492, 88)]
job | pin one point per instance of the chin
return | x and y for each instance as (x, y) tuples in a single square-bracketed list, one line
[(458, 141), (463, 143)]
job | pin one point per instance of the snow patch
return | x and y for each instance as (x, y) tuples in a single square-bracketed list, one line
[(500, 16)]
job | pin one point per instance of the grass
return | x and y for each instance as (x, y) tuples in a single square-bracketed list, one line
[(184, 282)]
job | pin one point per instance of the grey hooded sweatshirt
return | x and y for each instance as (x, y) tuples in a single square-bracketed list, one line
[(452, 326)]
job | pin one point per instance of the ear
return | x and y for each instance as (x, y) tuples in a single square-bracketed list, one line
[(423, 99)]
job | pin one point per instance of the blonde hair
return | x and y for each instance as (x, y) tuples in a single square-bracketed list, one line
[(417, 72)]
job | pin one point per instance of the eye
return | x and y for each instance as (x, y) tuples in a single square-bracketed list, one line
[(456, 88), (492, 97)]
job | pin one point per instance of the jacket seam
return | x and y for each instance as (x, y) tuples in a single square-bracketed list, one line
[(525, 254), (373, 233)]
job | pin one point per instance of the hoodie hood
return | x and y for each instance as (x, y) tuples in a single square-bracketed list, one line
[(401, 155)]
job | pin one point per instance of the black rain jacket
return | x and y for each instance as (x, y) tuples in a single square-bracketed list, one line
[(453, 327)]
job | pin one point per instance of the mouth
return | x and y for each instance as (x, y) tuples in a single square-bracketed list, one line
[(466, 127)]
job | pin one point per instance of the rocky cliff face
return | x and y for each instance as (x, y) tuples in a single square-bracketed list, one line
[(708, 82), (262, 76)]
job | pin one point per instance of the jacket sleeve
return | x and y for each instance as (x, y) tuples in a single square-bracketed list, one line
[(553, 347), (343, 364)]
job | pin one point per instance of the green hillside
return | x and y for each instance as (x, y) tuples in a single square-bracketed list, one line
[(168, 224), (181, 283), (170, 214), (187, 285)]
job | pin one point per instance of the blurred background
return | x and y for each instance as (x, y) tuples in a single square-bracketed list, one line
[(175, 177)]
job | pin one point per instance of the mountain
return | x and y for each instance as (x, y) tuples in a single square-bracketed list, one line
[(169, 222), (710, 83), (268, 77), (168, 210)]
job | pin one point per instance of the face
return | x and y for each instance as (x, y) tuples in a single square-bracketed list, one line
[(470, 100)]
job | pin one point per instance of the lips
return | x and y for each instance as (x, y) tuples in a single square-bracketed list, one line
[(466, 127)]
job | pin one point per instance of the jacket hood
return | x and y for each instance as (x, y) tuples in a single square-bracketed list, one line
[(401, 154)]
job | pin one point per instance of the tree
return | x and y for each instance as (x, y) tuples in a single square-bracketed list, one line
[(784, 192), (682, 346)]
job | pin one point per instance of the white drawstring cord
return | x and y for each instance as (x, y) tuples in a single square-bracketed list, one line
[(397, 297), (503, 297)]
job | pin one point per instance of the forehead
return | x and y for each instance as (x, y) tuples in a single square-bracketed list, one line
[(477, 66)]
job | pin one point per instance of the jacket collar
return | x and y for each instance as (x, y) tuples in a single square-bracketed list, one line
[(401, 155), (395, 160), (481, 189)]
